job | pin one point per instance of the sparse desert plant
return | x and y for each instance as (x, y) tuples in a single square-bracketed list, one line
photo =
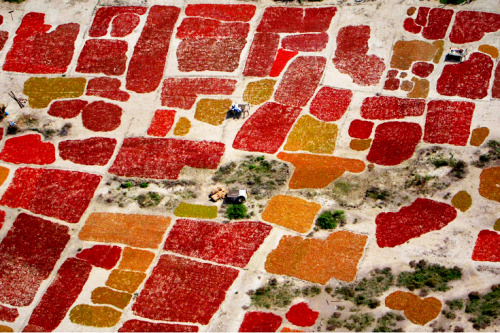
[(150, 199)]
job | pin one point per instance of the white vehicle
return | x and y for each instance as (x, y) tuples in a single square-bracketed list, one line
[(455, 55), (237, 196)]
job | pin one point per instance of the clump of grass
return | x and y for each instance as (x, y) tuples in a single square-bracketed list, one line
[(485, 308), (458, 167), (150, 199), (126, 185), (493, 154), (279, 295), (236, 211), (330, 220), (359, 322), (431, 276), (143, 185), (388, 323), (377, 193), (456, 304)]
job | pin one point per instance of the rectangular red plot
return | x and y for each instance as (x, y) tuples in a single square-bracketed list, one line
[(28, 254), (150, 53), (60, 295), (56, 193), (195, 27), (261, 55), (164, 158), (242, 13), (388, 107), (104, 15), (184, 290), (162, 123), (230, 244), (135, 325), (8, 314)]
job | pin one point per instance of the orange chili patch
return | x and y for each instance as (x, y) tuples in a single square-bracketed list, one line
[(312, 135), (4, 173), (125, 280), (418, 311), (183, 126), (478, 136), (462, 200), (290, 212), (360, 144), (489, 186), (136, 260)]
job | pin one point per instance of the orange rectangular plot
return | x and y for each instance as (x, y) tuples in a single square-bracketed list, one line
[(144, 231)]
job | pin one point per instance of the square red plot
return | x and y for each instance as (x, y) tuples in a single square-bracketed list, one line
[(184, 290), (105, 56)]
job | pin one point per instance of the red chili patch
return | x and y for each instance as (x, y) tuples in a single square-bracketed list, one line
[(92, 151), (351, 56), (262, 53), (301, 315), (330, 104), (101, 116), (4, 35), (495, 90), (257, 321), (222, 12), (104, 15), (388, 107), (391, 84), (300, 81), (106, 56), (486, 248), (181, 93), (162, 123), (150, 53), (28, 254), (394, 142), (448, 122), (438, 21), (135, 325), (290, 20), (470, 26), (360, 129), (59, 297), (124, 24), (108, 88), (469, 79), (421, 217), (104, 256), (196, 27), (305, 42), (281, 60), (67, 108), (56, 193), (37, 51), (2, 219), (267, 128), (8, 314), (183, 290), (231, 244), (28, 149), (410, 26), (164, 158), (422, 69)]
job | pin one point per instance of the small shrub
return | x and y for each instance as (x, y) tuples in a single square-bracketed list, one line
[(456, 304), (150, 199), (143, 185), (432, 276), (359, 322), (377, 194), (273, 295), (388, 322), (126, 185), (236, 212), (484, 309), (329, 220)]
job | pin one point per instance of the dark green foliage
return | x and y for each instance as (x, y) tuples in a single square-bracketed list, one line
[(16, 1), (458, 167), (333, 323), (150, 199), (484, 309), (329, 220), (388, 323), (377, 194), (359, 322), (143, 185), (365, 292), (126, 185), (456, 304), (452, 2), (493, 154), (236, 212), (279, 295), (432, 276)]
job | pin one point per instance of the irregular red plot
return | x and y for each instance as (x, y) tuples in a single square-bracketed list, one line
[(210, 54), (423, 13), (2, 218), (150, 53), (8, 314), (92, 151), (108, 88), (183, 290), (162, 123), (67, 108), (282, 58), (135, 325), (486, 248), (222, 12), (196, 27), (181, 93), (410, 26), (330, 104), (290, 20), (267, 128), (124, 24), (28, 149), (470, 26), (58, 298), (104, 15), (101, 116), (300, 81), (438, 21), (301, 315), (360, 129), (104, 256), (394, 142), (231, 244), (56, 193), (262, 54), (421, 217), (106, 56), (164, 158), (257, 321), (448, 122), (495, 90), (28, 254), (422, 69), (4, 35), (388, 107), (351, 56), (37, 51), (305, 42), (469, 79)]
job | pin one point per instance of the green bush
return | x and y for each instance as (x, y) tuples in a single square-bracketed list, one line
[(126, 185), (329, 220), (359, 322), (388, 322), (236, 212), (16, 1), (432, 276), (452, 2), (150, 199), (484, 308), (143, 185)]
